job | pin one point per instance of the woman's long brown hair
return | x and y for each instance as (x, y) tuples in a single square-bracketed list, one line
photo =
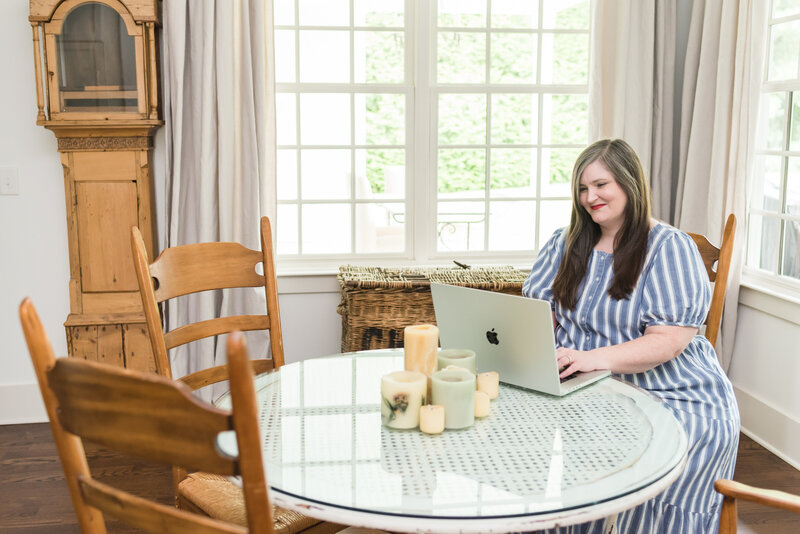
[(630, 243)]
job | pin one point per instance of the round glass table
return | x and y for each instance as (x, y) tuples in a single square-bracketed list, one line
[(536, 461)]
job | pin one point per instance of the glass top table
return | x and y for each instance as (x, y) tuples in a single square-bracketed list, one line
[(536, 461)]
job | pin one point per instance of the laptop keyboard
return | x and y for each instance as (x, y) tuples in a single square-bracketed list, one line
[(568, 378)]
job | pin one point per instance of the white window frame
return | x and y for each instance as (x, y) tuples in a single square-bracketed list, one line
[(773, 285), (422, 146)]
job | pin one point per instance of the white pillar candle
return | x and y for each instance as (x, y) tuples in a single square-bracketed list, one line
[(402, 395), (464, 358), (482, 403), (431, 419), (489, 383), (420, 343), (455, 390)]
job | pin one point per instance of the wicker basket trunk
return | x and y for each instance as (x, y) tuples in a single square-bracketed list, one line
[(378, 303)]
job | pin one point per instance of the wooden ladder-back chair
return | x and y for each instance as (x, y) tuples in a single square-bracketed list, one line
[(718, 274), (187, 269), (152, 417), (732, 490)]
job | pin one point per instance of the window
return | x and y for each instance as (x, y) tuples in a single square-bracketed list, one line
[(427, 131), (773, 236)]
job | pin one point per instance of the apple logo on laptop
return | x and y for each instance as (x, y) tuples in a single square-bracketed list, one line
[(491, 335)]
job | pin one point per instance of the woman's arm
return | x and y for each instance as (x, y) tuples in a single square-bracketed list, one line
[(658, 345)]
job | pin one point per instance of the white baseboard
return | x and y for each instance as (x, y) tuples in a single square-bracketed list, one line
[(21, 403), (769, 427)]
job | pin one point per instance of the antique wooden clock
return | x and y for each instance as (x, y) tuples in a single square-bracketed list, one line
[(96, 86)]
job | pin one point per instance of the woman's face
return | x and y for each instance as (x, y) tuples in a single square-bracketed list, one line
[(602, 197)]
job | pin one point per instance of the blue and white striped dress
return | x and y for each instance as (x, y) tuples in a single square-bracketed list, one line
[(673, 289)]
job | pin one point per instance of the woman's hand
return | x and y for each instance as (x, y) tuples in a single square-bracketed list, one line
[(570, 361), (658, 345)]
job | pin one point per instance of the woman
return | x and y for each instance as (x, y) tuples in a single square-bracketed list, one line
[(628, 294)]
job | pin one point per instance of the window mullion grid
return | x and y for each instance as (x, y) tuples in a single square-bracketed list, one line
[(797, 73), (425, 193), (783, 217), (421, 142), (352, 133), (487, 133), (539, 129), (410, 141), (298, 151), (765, 89), (787, 119)]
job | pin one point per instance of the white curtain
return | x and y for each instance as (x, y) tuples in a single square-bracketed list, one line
[(631, 85), (722, 76), (219, 106)]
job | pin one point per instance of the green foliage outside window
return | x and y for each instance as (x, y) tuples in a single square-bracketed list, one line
[(461, 59)]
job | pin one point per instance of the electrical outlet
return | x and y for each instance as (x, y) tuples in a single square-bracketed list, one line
[(9, 181)]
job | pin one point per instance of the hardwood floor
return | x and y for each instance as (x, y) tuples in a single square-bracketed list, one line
[(34, 497)]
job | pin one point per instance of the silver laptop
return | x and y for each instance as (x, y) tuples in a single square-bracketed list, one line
[(509, 334)]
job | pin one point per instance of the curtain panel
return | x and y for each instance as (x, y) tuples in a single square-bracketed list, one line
[(631, 85), (722, 80), (219, 106), (632, 96)]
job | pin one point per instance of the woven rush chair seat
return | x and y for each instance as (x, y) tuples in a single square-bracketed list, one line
[(378, 303), (218, 497)]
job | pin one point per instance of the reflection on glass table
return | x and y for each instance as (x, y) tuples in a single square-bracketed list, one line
[(535, 462)]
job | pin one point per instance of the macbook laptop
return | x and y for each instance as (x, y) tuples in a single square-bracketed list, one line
[(510, 334)]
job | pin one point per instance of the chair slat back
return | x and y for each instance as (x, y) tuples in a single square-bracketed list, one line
[(203, 267), (709, 253), (717, 274), (147, 515), (189, 269), (151, 417), (214, 327), (142, 415)]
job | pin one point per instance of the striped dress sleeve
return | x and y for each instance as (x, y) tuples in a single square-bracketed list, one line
[(539, 284), (676, 289)]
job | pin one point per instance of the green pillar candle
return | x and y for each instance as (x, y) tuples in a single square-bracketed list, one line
[(464, 358), (455, 390)]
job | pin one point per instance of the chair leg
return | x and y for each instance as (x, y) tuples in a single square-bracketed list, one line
[(178, 474), (728, 516)]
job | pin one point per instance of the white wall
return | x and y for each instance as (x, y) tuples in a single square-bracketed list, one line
[(34, 259), (765, 371), (33, 241)]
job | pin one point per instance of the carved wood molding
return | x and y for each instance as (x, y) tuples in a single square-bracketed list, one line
[(104, 143)]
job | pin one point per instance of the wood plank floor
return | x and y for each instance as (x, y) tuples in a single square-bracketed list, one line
[(34, 497)]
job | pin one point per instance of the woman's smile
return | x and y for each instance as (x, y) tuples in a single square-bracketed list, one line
[(602, 197)]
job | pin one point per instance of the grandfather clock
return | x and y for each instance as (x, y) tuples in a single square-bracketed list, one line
[(96, 88)]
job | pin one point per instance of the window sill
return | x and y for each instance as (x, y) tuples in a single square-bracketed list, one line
[(780, 302), (312, 277)]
